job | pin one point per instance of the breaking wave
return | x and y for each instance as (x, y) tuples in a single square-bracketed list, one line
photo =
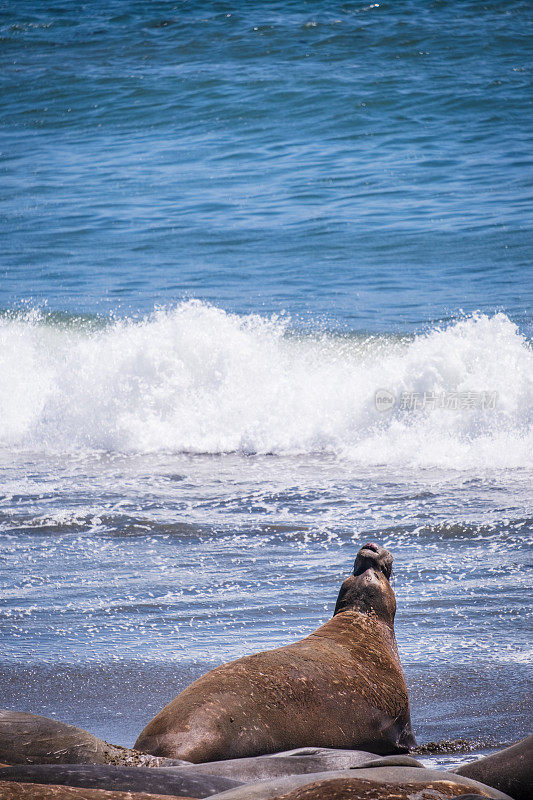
[(194, 378)]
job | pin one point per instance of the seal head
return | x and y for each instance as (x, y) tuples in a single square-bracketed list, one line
[(368, 589)]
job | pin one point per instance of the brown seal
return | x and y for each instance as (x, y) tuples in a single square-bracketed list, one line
[(509, 770), (30, 739), (356, 789), (378, 783), (36, 791), (341, 687)]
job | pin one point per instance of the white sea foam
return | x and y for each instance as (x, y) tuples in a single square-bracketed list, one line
[(195, 378)]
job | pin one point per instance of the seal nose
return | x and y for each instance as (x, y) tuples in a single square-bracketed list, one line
[(371, 546)]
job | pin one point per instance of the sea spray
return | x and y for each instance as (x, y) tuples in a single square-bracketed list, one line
[(194, 378)]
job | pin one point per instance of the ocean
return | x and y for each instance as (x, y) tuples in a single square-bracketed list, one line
[(265, 295)]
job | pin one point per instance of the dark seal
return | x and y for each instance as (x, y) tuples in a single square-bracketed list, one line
[(509, 770), (293, 762), (341, 687)]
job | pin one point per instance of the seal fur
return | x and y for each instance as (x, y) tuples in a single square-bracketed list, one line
[(340, 687)]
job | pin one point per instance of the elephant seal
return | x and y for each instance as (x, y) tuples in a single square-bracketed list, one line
[(37, 791), (295, 762), (164, 781), (379, 783), (341, 687), (357, 789), (279, 765), (30, 739), (509, 770)]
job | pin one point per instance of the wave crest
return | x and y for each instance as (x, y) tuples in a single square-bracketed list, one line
[(194, 378)]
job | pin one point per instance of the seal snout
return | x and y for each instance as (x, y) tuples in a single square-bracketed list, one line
[(372, 556)]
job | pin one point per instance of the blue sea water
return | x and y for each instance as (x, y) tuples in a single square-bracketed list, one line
[(226, 227), (365, 163)]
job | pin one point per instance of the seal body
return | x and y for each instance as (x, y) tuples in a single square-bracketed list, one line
[(161, 781), (30, 739), (34, 791), (340, 687), (380, 783), (509, 770), (290, 762)]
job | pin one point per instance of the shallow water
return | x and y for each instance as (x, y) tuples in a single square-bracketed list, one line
[(343, 190), (164, 509)]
